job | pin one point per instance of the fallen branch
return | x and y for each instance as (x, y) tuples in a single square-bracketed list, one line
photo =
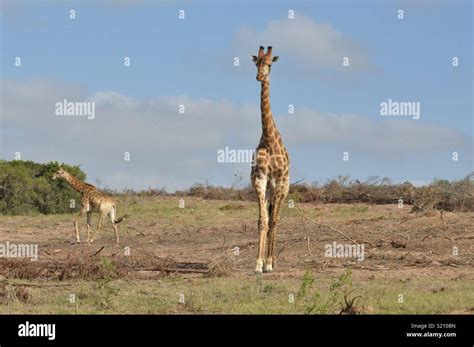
[(281, 250), (100, 250), (169, 269), (326, 226), (450, 239), (40, 285)]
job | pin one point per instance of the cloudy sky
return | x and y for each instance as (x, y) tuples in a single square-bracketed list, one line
[(190, 62)]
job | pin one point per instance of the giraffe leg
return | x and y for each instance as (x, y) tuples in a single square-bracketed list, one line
[(271, 233), (260, 187), (99, 225), (112, 218), (89, 224), (76, 223), (276, 205), (116, 234)]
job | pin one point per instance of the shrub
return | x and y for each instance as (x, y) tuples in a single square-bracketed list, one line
[(26, 187), (440, 194)]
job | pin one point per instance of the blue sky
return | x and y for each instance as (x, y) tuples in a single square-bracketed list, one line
[(190, 61)]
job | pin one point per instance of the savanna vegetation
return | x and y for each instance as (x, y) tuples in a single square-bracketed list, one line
[(26, 187)]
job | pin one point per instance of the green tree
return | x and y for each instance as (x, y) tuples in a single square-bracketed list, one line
[(27, 187)]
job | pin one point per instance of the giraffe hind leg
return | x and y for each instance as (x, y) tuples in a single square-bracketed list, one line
[(99, 225), (112, 218), (89, 224)]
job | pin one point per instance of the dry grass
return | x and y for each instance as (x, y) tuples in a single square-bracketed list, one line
[(222, 266), (71, 268), (10, 293), (190, 250)]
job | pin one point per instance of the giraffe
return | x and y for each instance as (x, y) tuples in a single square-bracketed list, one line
[(270, 168), (92, 199)]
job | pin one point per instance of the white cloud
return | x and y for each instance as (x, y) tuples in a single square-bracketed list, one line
[(162, 142), (313, 44), (176, 150), (386, 137)]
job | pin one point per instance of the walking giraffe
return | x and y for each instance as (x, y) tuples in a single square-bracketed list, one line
[(270, 169), (92, 200)]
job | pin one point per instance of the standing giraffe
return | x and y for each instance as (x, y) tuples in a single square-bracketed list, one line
[(92, 199), (270, 168)]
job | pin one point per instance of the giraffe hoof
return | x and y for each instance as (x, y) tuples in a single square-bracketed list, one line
[(268, 269)]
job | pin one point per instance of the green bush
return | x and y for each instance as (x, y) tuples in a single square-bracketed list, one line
[(27, 188)]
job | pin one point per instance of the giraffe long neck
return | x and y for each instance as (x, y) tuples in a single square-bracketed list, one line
[(75, 183), (268, 125)]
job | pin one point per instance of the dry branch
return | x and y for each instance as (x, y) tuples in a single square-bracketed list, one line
[(326, 226), (100, 250)]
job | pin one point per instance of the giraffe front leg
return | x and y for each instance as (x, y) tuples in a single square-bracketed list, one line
[(270, 244), (76, 224), (260, 187)]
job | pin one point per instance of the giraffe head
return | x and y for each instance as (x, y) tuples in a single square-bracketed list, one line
[(60, 173), (264, 62)]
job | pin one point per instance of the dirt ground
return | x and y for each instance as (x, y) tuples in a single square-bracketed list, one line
[(216, 241)]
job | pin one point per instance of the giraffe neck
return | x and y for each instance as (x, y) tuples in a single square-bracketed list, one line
[(75, 183), (268, 125)]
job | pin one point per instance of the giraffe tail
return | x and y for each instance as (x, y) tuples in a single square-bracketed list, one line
[(120, 219), (116, 221)]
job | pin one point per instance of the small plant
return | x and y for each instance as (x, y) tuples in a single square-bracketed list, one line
[(232, 207), (268, 288), (306, 284), (192, 304), (338, 289), (259, 282), (105, 290), (340, 294)]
